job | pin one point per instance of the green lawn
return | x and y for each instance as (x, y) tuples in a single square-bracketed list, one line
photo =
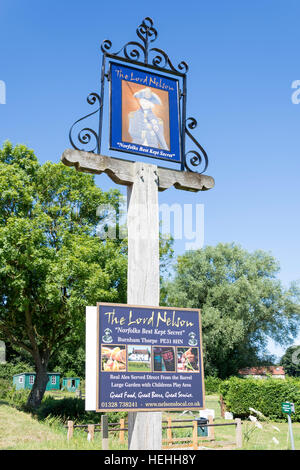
[(255, 438), (135, 366), (19, 431)]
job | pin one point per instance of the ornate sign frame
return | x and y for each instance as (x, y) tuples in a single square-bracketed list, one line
[(154, 60)]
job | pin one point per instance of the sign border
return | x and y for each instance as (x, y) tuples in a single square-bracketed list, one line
[(98, 359), (145, 69)]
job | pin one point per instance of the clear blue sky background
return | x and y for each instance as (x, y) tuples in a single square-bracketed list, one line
[(243, 57)]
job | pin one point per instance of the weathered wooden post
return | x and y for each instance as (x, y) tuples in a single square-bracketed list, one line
[(104, 432), (122, 432), (143, 236), (70, 430), (238, 433), (143, 181), (195, 435), (91, 432), (144, 428), (136, 129), (169, 431), (223, 406), (211, 429)]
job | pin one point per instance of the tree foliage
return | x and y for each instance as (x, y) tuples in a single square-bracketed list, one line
[(52, 264), (291, 361), (242, 302)]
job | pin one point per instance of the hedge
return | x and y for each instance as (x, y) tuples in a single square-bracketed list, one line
[(212, 385), (264, 395)]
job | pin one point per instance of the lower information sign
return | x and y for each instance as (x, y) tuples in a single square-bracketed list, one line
[(149, 358)]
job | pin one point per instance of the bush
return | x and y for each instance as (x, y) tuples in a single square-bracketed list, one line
[(5, 388), (264, 395), (212, 385), (13, 397), (9, 369), (18, 398), (224, 387), (65, 408), (8, 393), (72, 409)]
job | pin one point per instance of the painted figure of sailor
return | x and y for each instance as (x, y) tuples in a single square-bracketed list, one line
[(145, 127)]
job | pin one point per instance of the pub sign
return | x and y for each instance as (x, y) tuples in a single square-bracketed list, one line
[(147, 105), (144, 113)]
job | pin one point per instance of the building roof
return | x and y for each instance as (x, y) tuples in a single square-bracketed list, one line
[(263, 370), (68, 378), (140, 351), (34, 373)]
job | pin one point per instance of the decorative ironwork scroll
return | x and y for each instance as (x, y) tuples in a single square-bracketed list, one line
[(85, 135), (194, 158), (141, 53)]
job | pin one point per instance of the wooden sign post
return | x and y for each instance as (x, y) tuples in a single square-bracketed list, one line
[(143, 182), (147, 118), (143, 281)]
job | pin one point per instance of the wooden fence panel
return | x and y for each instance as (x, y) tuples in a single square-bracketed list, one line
[(171, 441)]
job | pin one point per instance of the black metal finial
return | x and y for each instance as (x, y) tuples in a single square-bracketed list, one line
[(147, 33), (140, 51)]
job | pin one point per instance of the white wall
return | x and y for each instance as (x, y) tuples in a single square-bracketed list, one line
[(90, 357)]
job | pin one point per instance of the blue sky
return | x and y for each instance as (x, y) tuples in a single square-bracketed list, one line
[(243, 57)]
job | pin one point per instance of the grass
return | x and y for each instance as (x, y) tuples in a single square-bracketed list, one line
[(20, 431), (139, 366), (255, 438)]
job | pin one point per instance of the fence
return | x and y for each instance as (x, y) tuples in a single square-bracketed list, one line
[(79, 394), (171, 441), (194, 441)]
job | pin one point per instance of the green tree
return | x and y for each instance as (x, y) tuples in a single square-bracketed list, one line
[(242, 303), (52, 263), (291, 361)]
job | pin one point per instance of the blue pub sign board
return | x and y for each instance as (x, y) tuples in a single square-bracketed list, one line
[(149, 358), (144, 113)]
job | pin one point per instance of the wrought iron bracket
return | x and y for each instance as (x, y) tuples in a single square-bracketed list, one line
[(87, 134), (194, 158), (141, 53)]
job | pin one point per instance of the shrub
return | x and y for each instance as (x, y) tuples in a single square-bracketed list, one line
[(224, 387), (65, 408), (17, 398), (72, 409), (13, 397), (5, 388), (9, 369), (212, 385), (264, 395)]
